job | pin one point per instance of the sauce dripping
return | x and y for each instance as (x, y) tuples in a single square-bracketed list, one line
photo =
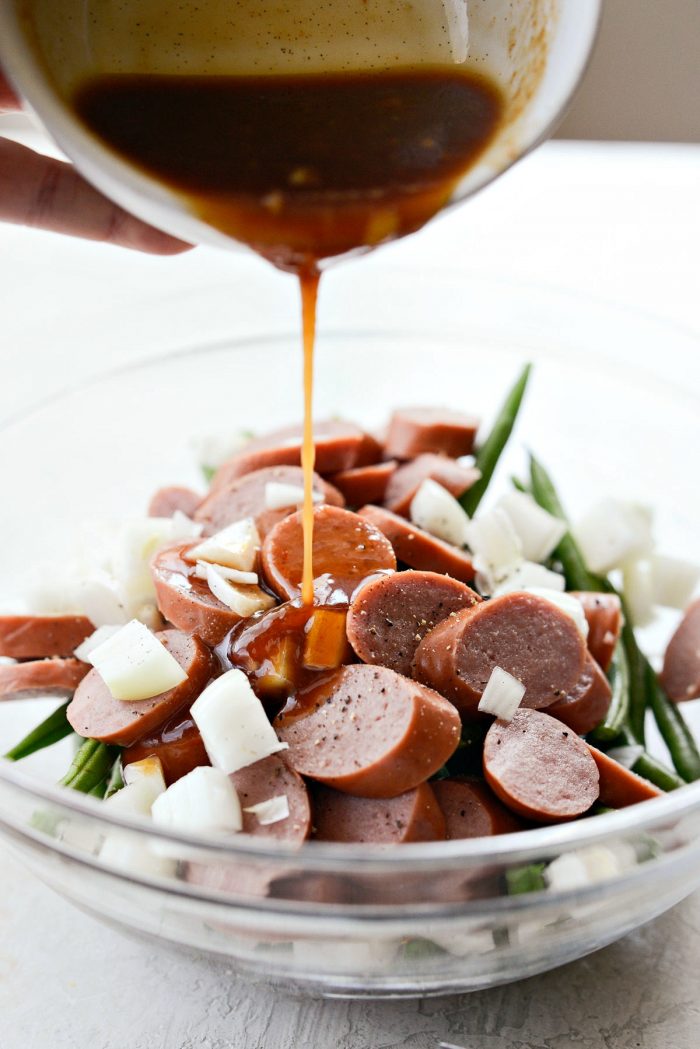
[(309, 281)]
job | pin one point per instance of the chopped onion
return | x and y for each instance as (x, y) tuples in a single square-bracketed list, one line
[(539, 532), (271, 811), (236, 546), (203, 801), (233, 575), (135, 665), (136, 544), (89, 645), (212, 450), (233, 723), (138, 857), (626, 756), (137, 798), (614, 532), (438, 512), (639, 591), (243, 600), (673, 581), (98, 598), (148, 771), (586, 866), (502, 696), (495, 544), (529, 574), (279, 496), (571, 606)]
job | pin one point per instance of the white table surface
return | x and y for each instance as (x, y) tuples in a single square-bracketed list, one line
[(618, 222)]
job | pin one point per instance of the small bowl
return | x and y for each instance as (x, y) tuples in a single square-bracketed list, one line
[(422, 919)]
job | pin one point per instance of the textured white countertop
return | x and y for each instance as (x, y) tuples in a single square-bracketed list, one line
[(618, 222)]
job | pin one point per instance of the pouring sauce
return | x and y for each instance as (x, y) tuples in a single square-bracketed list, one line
[(301, 168)]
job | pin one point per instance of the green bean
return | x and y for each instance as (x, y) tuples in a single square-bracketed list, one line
[(673, 728), (53, 729), (90, 766), (614, 721), (519, 485), (567, 552), (650, 768), (115, 781), (208, 473), (638, 692), (489, 452), (525, 879)]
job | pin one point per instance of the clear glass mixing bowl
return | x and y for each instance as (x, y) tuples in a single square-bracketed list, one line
[(613, 406)]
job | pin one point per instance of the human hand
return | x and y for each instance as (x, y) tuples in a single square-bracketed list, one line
[(49, 194)]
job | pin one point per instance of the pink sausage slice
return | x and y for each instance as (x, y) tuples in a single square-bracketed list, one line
[(245, 497), (365, 484), (347, 550), (41, 677), (413, 816), (586, 705), (539, 768), (390, 615), (42, 636), (369, 731), (471, 810), (413, 431), (409, 477), (96, 714), (525, 635), (166, 501), (620, 787), (604, 615), (267, 779), (419, 549), (680, 676)]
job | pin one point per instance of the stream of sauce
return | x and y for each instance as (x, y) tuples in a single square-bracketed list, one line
[(302, 168)]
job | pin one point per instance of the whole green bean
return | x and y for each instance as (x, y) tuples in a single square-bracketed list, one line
[(91, 766), (673, 728), (650, 768), (567, 552), (53, 729), (638, 691), (614, 721), (490, 450)]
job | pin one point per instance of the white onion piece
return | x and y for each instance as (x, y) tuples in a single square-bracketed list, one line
[(137, 798), (639, 591), (502, 696), (358, 956), (271, 811), (183, 527), (236, 546), (135, 665), (673, 581), (136, 544), (613, 532), (84, 650), (437, 511), (233, 723), (279, 496), (203, 801), (148, 771), (539, 532), (213, 449), (99, 598), (586, 866), (233, 575), (243, 600), (571, 606), (626, 756), (530, 574), (495, 544), (138, 857)]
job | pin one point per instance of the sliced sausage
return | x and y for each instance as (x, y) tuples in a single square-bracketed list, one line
[(178, 745), (604, 615), (346, 550), (42, 636), (523, 634), (267, 779), (472, 810), (413, 816), (167, 501), (365, 484), (413, 431), (417, 548), (390, 615), (680, 676), (620, 787), (408, 478), (185, 600), (369, 731), (539, 768), (339, 446), (41, 677), (96, 714), (585, 706)]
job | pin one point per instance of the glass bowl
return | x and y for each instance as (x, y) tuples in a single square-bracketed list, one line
[(613, 407)]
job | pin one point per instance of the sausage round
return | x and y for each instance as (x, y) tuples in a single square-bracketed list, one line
[(680, 676), (245, 497), (408, 478), (365, 484), (267, 779), (523, 634), (166, 501), (585, 706), (41, 677), (417, 548), (42, 636), (471, 810), (413, 431), (413, 816), (620, 787), (96, 714), (539, 768), (390, 615), (369, 731), (178, 745), (346, 550), (604, 616)]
